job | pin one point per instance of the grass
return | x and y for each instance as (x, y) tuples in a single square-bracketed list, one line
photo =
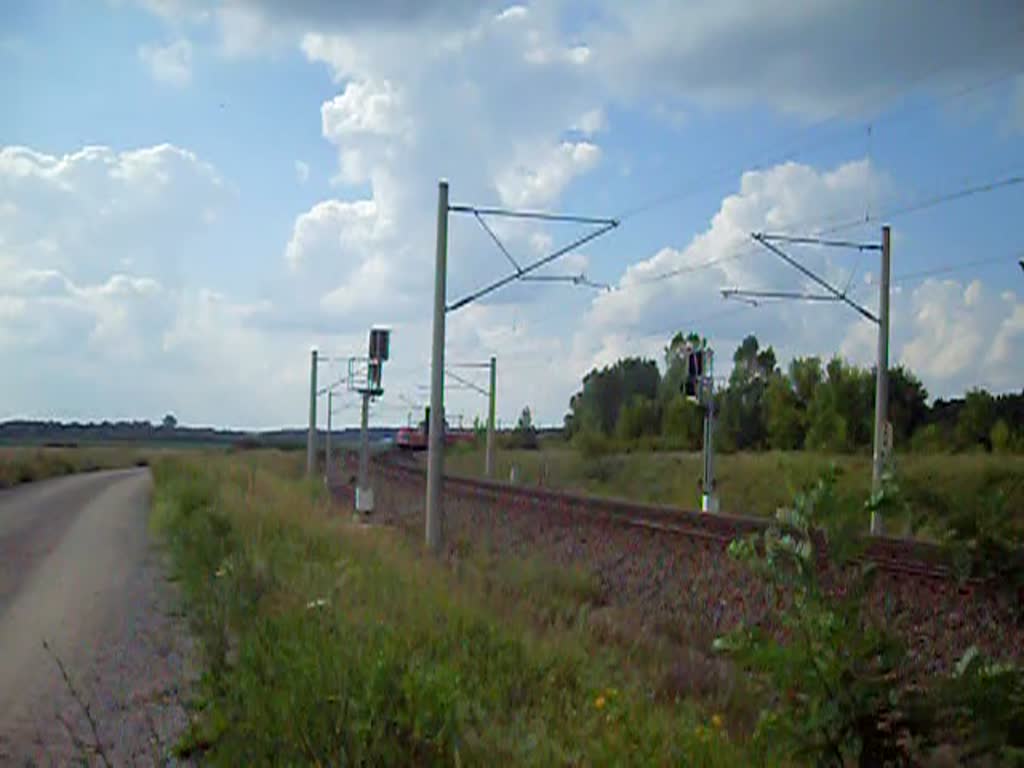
[(24, 464), (760, 483), (328, 643)]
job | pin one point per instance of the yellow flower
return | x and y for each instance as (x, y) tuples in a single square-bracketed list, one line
[(716, 720), (599, 702)]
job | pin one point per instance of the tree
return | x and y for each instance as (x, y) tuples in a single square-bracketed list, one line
[(607, 390), (807, 376), (784, 418), (1001, 437), (908, 403), (742, 403), (525, 433), (826, 427), (974, 425), (839, 414), (637, 418), (681, 422), (170, 422)]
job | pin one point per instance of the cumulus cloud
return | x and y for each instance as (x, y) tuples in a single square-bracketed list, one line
[(538, 181), (364, 107), (397, 131), (590, 122), (170, 64), (132, 343), (301, 171), (962, 335), (955, 335), (426, 90), (253, 27), (87, 211), (321, 233), (653, 292), (808, 58)]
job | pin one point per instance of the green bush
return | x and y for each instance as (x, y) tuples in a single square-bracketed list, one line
[(986, 542), (834, 679), (830, 682), (592, 443), (932, 438), (1001, 438)]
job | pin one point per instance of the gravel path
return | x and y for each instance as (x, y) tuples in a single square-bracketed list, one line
[(80, 572)]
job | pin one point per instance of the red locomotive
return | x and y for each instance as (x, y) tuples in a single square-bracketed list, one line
[(415, 438)]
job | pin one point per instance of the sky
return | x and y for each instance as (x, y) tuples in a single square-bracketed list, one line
[(193, 195)]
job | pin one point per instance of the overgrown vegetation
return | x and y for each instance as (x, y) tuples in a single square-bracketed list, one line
[(825, 406), (985, 541), (939, 489), (24, 465), (837, 685), (327, 643)]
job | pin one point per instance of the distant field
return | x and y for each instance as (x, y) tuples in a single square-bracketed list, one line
[(759, 483), (26, 464)]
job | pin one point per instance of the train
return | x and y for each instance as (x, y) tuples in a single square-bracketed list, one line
[(415, 438)]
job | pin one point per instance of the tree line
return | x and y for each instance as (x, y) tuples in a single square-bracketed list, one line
[(813, 404)]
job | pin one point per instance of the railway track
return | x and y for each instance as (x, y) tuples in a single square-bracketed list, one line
[(668, 567), (905, 556)]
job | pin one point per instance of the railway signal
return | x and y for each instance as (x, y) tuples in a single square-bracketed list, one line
[(698, 386), (364, 376)]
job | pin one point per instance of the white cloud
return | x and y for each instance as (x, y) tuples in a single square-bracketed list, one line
[(127, 344), (953, 335), (431, 90), (86, 211), (788, 197), (592, 121), (961, 336), (513, 13), (807, 58), (170, 64), (177, 10), (537, 53), (364, 107), (539, 180), (321, 234), (301, 171), (415, 107)]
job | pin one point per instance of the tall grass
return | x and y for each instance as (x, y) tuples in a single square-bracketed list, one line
[(331, 644), (24, 465), (935, 486)]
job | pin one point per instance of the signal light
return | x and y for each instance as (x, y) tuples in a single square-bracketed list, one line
[(694, 373)]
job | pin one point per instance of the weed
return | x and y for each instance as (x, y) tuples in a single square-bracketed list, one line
[(934, 486), (25, 465), (330, 644)]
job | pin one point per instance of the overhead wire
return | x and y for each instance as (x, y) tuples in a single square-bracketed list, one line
[(478, 211), (896, 212), (931, 202), (794, 149), (910, 277)]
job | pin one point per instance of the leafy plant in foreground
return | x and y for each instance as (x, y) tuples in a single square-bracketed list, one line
[(828, 674), (834, 681), (985, 542)]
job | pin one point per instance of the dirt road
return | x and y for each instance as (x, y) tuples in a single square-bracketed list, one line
[(78, 571)]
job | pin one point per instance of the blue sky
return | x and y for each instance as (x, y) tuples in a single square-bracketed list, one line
[(192, 194)]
